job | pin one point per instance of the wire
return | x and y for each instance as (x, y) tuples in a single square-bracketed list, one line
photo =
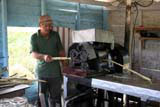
[(133, 33), (137, 2), (116, 1)]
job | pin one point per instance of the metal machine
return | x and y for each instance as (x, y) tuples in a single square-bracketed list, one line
[(95, 57), (92, 59), (94, 54)]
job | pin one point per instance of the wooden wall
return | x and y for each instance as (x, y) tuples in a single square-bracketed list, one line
[(64, 14), (25, 13), (145, 60)]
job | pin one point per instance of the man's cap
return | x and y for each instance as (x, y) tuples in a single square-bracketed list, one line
[(45, 19)]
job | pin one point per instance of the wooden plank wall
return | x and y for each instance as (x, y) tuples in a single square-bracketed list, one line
[(27, 12), (23, 12), (66, 15), (91, 16), (144, 60), (75, 16), (65, 35), (63, 13)]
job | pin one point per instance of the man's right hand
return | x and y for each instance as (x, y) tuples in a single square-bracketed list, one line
[(44, 57), (47, 58)]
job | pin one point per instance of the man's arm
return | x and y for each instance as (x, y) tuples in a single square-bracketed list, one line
[(37, 55), (46, 58)]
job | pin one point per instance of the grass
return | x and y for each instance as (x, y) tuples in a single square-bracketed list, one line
[(20, 59)]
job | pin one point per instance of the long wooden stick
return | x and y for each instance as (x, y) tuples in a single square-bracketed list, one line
[(138, 74), (16, 78), (61, 58), (39, 80)]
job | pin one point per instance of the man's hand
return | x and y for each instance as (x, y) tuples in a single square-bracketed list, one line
[(47, 58), (43, 57), (65, 63)]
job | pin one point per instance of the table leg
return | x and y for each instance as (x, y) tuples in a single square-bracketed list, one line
[(64, 93), (143, 104)]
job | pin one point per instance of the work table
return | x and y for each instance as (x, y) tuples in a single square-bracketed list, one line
[(125, 83)]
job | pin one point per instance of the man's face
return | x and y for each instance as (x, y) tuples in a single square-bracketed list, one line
[(46, 27)]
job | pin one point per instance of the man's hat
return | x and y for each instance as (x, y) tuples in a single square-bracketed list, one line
[(45, 19)]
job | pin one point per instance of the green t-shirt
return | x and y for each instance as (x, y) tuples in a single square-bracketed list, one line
[(51, 46)]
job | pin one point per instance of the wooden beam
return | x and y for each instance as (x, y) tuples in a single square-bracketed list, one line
[(43, 7), (92, 2), (78, 17), (110, 6)]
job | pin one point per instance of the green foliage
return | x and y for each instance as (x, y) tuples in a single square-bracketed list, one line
[(19, 50)]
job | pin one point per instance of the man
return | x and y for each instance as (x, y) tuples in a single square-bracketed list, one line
[(46, 44)]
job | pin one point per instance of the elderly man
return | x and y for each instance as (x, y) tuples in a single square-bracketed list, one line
[(46, 44)]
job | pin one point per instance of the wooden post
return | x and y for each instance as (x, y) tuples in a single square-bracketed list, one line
[(4, 33), (127, 39), (78, 17), (43, 7)]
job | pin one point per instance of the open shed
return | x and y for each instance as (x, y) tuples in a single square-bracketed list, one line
[(75, 15)]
